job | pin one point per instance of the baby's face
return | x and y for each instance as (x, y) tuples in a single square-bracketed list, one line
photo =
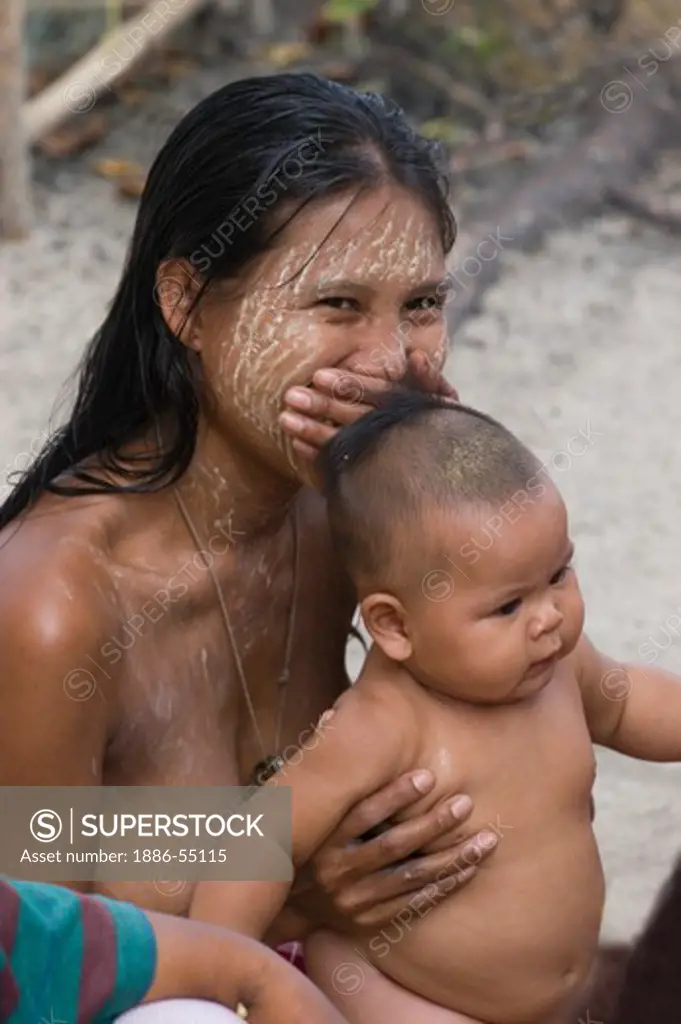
[(506, 607)]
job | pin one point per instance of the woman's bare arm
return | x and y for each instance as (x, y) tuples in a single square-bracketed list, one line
[(353, 884), (365, 743), (56, 710)]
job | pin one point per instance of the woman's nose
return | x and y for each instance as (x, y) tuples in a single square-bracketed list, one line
[(547, 619), (382, 356)]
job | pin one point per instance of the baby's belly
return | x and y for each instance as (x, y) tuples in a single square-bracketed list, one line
[(514, 944)]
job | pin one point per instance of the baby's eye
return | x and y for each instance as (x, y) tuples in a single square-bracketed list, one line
[(559, 576), (510, 607)]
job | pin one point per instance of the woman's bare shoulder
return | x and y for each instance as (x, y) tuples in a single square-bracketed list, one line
[(57, 595), (57, 606)]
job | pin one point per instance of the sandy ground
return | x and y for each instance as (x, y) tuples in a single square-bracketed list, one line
[(581, 341), (582, 337)]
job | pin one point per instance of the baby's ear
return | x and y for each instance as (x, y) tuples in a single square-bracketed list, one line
[(385, 619)]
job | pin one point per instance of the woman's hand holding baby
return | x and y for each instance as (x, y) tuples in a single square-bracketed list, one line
[(366, 883)]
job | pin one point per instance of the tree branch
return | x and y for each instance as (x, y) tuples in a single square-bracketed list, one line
[(77, 90)]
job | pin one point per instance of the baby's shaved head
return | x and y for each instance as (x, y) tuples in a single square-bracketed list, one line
[(414, 453)]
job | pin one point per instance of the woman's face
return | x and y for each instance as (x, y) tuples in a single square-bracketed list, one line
[(350, 283)]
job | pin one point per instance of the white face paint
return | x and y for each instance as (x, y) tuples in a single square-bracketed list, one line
[(338, 289)]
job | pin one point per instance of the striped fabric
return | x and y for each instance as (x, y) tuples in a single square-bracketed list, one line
[(70, 959)]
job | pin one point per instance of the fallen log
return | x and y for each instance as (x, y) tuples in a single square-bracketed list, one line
[(77, 90), (629, 133), (655, 209)]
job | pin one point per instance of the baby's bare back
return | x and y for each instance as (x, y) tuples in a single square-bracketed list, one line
[(513, 944)]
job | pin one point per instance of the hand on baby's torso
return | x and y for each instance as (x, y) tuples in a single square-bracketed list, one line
[(524, 931)]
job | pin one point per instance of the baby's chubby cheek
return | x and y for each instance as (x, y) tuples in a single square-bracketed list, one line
[(573, 626)]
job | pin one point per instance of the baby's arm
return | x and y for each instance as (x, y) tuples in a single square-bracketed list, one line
[(630, 708), (359, 748)]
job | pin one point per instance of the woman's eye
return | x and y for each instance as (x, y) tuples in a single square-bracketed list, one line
[(510, 607), (339, 302), (425, 305)]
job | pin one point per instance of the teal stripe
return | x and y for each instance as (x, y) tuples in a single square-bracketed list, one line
[(47, 954), (136, 958)]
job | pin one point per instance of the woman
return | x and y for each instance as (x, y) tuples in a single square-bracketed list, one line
[(173, 612)]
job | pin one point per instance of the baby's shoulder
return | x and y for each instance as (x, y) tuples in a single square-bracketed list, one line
[(388, 692)]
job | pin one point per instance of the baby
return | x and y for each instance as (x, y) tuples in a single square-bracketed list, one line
[(479, 670)]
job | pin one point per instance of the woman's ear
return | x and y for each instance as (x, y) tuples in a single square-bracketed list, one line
[(386, 620), (176, 291)]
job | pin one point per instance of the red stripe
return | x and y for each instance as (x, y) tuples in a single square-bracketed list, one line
[(100, 959), (9, 919), (293, 952)]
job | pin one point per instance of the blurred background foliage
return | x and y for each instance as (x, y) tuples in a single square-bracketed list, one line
[(461, 67)]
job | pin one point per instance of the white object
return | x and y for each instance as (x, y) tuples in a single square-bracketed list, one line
[(179, 1011)]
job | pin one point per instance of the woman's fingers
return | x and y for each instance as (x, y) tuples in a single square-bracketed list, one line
[(376, 899), (426, 375), (369, 893), (312, 415), (397, 844), (306, 451), (304, 431), (351, 388), (368, 877), (414, 905), (378, 808), (308, 402)]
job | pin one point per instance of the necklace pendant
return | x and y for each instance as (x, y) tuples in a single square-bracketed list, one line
[(266, 768), (284, 678)]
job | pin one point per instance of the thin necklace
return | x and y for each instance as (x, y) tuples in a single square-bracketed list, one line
[(270, 763)]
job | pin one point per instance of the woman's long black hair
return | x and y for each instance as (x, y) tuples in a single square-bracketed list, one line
[(229, 163)]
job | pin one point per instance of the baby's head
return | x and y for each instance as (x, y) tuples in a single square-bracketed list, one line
[(458, 547)]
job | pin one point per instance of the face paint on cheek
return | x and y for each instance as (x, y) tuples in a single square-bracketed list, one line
[(270, 344)]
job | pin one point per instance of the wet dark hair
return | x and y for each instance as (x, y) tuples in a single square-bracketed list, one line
[(415, 451), (238, 153)]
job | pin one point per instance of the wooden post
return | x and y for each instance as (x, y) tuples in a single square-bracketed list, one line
[(263, 21), (15, 202)]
